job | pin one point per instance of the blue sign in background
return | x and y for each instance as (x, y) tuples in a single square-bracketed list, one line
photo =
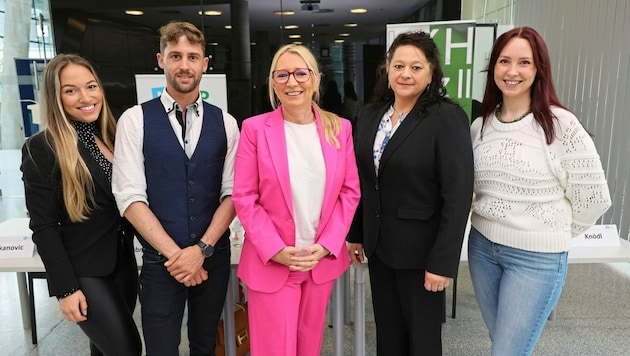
[(157, 91), (28, 74)]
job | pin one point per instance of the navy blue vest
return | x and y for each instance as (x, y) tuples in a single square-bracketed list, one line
[(183, 193)]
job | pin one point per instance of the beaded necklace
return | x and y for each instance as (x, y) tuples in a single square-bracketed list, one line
[(498, 115)]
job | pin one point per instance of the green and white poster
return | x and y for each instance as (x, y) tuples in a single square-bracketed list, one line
[(456, 42)]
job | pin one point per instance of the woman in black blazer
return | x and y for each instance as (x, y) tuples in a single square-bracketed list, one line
[(86, 247), (415, 164)]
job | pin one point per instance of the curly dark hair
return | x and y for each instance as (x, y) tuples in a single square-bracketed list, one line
[(423, 41)]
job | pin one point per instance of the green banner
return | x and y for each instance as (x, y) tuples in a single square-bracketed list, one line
[(455, 40)]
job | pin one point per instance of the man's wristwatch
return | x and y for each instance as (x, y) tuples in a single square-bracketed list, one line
[(206, 249)]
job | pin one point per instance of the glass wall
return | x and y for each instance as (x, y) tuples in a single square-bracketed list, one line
[(41, 41), (18, 17), (42, 38)]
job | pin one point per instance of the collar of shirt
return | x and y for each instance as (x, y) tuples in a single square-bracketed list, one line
[(390, 111), (168, 102), (188, 137)]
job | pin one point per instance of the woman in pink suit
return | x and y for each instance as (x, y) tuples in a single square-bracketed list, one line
[(296, 189)]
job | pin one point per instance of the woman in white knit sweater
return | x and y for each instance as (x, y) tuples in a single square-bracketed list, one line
[(538, 182)]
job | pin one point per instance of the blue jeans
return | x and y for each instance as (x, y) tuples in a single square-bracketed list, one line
[(516, 290)]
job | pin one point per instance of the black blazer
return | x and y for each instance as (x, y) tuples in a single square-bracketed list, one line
[(414, 214), (69, 250)]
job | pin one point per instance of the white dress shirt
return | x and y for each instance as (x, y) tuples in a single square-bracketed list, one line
[(128, 177)]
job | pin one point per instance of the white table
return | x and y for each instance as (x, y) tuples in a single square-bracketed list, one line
[(22, 266), (600, 254)]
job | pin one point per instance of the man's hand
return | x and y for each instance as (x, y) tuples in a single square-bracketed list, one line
[(74, 307), (185, 266), (197, 278)]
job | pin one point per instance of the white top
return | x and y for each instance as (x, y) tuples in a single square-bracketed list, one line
[(384, 133), (534, 196), (307, 173), (128, 179)]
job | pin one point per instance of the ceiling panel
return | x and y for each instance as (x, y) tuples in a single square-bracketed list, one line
[(321, 25)]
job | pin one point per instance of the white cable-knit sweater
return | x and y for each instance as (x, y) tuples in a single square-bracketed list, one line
[(534, 196)]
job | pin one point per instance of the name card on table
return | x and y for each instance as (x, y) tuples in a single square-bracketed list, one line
[(598, 236), (137, 249), (16, 247)]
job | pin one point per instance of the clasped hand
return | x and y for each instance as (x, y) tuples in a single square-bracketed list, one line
[(186, 266), (301, 258)]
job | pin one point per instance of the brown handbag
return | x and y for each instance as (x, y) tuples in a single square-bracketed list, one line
[(241, 327)]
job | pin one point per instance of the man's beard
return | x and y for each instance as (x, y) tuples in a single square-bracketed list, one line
[(183, 88)]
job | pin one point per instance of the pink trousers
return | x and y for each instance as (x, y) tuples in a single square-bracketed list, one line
[(289, 322)]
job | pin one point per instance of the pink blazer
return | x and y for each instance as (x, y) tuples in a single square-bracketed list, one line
[(263, 202)]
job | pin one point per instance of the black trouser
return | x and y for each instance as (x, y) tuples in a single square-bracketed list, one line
[(111, 301), (163, 301), (408, 317)]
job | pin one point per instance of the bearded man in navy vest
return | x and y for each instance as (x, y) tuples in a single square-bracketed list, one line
[(172, 178)]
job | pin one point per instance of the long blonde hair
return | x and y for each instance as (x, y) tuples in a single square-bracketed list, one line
[(330, 121), (76, 180)]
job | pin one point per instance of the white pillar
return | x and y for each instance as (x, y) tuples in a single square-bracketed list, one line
[(17, 31)]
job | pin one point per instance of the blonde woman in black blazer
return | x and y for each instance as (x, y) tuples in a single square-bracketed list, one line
[(415, 165), (86, 247)]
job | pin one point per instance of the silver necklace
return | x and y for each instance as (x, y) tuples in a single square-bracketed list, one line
[(401, 114)]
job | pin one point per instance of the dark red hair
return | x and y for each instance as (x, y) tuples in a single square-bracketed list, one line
[(543, 93)]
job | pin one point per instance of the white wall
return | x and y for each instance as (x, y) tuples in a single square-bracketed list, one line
[(588, 42), (489, 11)]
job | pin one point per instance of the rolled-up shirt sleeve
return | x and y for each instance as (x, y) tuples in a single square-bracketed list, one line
[(128, 179), (232, 134)]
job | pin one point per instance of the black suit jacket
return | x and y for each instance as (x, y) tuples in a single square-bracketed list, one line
[(413, 214), (69, 250)]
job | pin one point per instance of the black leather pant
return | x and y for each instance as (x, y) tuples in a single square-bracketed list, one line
[(111, 301)]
